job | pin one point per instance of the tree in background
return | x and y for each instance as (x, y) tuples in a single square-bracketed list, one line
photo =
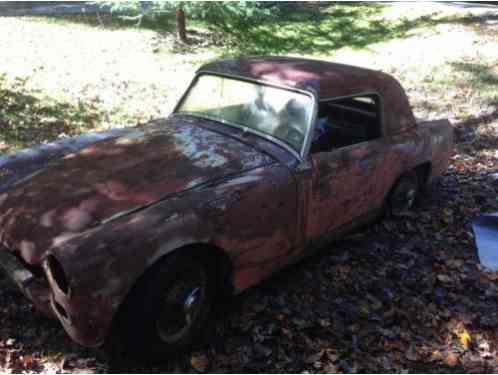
[(181, 28), (232, 18)]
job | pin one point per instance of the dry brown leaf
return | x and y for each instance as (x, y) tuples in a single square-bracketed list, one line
[(444, 278), (27, 361), (330, 368), (464, 338), (454, 263), (199, 362), (411, 354), (451, 359), (314, 357), (436, 356)]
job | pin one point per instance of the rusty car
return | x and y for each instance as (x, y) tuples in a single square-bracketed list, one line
[(128, 238)]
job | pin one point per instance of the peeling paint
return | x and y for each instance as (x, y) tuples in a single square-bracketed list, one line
[(107, 210)]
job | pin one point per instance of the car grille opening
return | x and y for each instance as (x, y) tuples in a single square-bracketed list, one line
[(58, 274), (60, 310)]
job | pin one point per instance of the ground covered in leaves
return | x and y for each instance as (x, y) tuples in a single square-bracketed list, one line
[(403, 295)]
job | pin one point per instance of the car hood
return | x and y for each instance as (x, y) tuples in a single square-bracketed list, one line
[(114, 176)]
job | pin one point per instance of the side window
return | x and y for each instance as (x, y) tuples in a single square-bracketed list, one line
[(347, 121)]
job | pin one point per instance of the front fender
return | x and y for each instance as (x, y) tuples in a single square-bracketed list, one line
[(103, 264), (251, 217)]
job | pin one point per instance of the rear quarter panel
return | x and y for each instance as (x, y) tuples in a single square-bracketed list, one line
[(439, 136), (427, 143)]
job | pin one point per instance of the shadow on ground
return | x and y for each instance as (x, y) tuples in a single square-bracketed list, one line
[(482, 75), (299, 28), (477, 132), (400, 295), (397, 296), (472, 140), (26, 119)]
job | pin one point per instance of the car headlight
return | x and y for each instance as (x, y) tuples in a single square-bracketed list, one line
[(57, 273)]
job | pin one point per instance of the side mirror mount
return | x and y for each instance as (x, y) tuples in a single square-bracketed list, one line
[(304, 168)]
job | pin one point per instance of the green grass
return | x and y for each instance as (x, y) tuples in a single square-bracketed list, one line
[(298, 29), (320, 31), (164, 23), (62, 76), (31, 111), (27, 117), (301, 28), (479, 77)]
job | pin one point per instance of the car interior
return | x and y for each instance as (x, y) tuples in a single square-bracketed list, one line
[(340, 122), (345, 122), (286, 124)]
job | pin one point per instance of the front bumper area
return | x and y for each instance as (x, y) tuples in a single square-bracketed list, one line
[(35, 288), (81, 318)]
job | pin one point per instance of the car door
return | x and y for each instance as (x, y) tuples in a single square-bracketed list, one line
[(347, 177), (344, 185)]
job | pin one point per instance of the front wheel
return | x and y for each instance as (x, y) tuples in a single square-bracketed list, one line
[(167, 310)]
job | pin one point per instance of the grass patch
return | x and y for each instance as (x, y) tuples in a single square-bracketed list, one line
[(298, 28), (90, 73), (482, 77), (164, 23), (93, 72), (27, 117), (320, 30)]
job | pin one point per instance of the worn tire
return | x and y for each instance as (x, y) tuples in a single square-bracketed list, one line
[(404, 194), (137, 331)]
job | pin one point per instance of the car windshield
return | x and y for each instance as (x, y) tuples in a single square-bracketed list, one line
[(283, 114)]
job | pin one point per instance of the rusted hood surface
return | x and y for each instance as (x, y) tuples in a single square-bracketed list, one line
[(113, 176)]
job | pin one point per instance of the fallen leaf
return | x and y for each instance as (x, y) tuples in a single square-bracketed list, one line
[(444, 278), (454, 263), (324, 322), (436, 356), (314, 357), (262, 350), (27, 361), (411, 354), (199, 362), (330, 368), (451, 359), (465, 338)]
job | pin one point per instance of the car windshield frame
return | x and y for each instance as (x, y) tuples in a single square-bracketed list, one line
[(299, 154)]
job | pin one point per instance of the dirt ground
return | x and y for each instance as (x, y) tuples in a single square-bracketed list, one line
[(406, 295)]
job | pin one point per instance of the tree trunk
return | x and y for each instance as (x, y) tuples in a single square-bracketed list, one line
[(180, 25)]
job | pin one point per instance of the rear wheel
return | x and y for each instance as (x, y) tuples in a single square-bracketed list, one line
[(404, 194), (167, 310)]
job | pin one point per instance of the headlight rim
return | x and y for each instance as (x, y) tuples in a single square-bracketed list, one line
[(56, 274)]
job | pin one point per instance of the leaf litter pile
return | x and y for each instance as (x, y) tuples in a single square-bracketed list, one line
[(405, 294)]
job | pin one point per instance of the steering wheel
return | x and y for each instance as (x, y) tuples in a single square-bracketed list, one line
[(291, 132)]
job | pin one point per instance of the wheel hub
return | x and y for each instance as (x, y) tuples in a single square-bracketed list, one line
[(190, 304), (410, 198), (180, 307)]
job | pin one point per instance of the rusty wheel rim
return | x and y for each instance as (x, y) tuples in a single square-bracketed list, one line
[(404, 197), (181, 305)]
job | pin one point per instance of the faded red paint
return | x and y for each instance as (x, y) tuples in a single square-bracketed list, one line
[(327, 80), (135, 169), (110, 210)]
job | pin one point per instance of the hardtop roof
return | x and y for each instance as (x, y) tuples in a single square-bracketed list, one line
[(326, 79)]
